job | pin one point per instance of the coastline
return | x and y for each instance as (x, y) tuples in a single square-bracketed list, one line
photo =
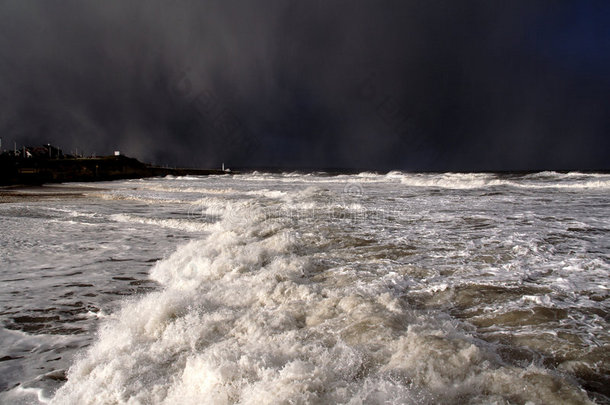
[(33, 193), (37, 171)]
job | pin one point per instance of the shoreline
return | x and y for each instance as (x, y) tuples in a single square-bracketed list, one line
[(33, 193), (36, 171)]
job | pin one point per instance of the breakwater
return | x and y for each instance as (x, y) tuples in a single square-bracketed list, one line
[(15, 170)]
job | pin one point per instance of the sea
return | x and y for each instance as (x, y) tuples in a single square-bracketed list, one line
[(308, 288)]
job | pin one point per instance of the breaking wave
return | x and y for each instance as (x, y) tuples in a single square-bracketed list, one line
[(246, 315)]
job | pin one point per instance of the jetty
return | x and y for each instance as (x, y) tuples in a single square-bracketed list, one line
[(46, 164)]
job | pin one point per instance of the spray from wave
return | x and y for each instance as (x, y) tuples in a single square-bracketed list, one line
[(250, 315)]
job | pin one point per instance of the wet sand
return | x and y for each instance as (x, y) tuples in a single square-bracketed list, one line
[(13, 194)]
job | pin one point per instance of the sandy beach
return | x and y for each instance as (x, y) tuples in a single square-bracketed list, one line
[(21, 193)]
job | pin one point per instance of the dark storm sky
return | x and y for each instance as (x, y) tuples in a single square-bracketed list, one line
[(413, 85)]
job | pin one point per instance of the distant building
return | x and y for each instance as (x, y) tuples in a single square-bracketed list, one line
[(117, 153)]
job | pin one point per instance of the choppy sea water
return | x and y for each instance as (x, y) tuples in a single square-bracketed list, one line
[(309, 288)]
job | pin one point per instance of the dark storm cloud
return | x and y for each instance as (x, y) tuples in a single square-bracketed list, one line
[(413, 85)]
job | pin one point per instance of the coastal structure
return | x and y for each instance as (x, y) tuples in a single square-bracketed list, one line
[(48, 164)]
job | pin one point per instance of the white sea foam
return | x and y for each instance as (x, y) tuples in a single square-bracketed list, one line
[(245, 315), (167, 223), (293, 288)]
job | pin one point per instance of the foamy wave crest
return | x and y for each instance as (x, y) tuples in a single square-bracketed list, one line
[(182, 224), (368, 175), (147, 200), (449, 180), (245, 316), (267, 193), (584, 184), (178, 189), (465, 181)]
